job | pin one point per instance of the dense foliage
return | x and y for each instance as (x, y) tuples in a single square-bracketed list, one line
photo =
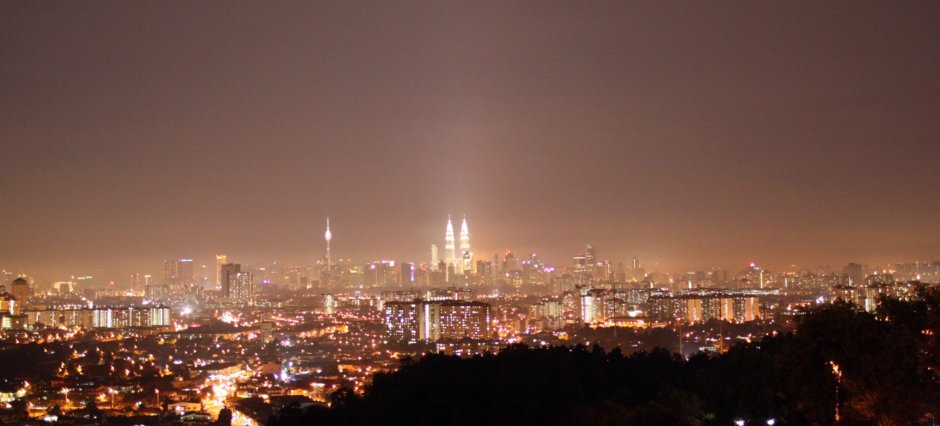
[(888, 364)]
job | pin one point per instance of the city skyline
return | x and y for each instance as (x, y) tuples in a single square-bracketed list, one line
[(202, 263), (510, 212)]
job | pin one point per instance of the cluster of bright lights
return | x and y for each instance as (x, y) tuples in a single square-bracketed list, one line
[(742, 422)]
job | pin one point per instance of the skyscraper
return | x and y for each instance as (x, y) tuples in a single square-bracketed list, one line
[(243, 288), (855, 273), (450, 248), (236, 284), (179, 273), (228, 273), (406, 276), (20, 292), (220, 259), (434, 257), (466, 258)]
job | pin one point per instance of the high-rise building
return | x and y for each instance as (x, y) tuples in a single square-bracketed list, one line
[(243, 288), (590, 255), (113, 317), (179, 273), (484, 270), (20, 292), (227, 273), (854, 272), (450, 248), (220, 259), (466, 256), (187, 272), (379, 273), (434, 257), (155, 292), (406, 276), (431, 321), (464, 320), (401, 321)]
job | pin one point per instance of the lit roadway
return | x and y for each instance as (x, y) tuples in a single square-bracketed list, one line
[(222, 386)]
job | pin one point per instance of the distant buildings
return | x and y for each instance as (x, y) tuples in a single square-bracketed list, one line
[(432, 321), (455, 262), (466, 256), (867, 296), (459, 320), (13, 303), (731, 306), (220, 259), (100, 317), (406, 275), (237, 285), (855, 273), (450, 246), (401, 321), (179, 273), (19, 289)]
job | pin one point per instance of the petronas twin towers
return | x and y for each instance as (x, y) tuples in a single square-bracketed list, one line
[(462, 260)]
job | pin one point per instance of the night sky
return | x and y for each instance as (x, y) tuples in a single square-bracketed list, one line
[(691, 134)]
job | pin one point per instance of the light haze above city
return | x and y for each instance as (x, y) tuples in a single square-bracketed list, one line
[(692, 136), (407, 213)]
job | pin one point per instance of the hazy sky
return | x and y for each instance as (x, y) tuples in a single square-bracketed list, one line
[(690, 134)]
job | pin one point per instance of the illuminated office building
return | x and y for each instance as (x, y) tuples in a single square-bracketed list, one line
[(228, 273), (178, 273), (220, 259), (20, 291)]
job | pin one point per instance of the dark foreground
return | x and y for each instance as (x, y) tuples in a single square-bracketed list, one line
[(888, 364)]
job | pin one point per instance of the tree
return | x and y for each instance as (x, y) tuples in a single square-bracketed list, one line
[(225, 417)]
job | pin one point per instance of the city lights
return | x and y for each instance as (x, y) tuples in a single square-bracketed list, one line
[(497, 213)]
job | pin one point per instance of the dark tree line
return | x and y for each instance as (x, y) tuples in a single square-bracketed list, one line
[(889, 364)]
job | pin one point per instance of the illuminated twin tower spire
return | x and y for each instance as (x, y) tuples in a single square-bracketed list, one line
[(328, 236), (462, 260)]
